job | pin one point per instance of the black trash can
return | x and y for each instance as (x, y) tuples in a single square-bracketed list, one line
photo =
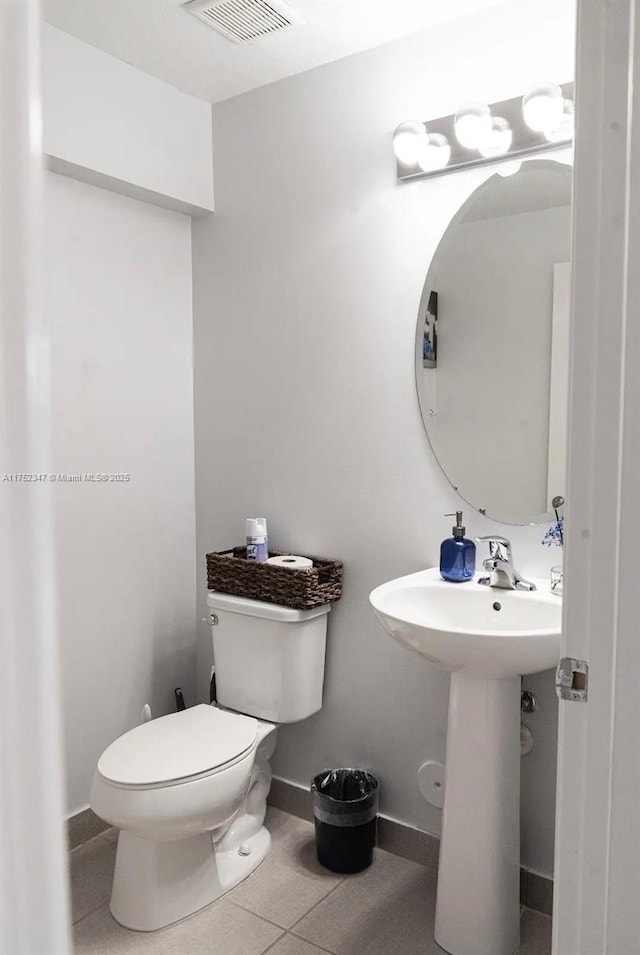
[(345, 810)]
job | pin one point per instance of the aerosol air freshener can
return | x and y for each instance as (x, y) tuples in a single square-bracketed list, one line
[(257, 545)]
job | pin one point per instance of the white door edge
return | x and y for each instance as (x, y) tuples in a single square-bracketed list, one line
[(597, 866)]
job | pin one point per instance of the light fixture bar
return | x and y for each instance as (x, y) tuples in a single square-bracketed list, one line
[(525, 140)]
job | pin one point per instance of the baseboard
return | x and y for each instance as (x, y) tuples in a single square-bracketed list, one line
[(536, 891), (83, 826), (291, 798)]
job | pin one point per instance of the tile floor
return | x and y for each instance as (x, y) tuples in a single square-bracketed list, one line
[(289, 906)]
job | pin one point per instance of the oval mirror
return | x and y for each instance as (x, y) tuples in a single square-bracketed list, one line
[(492, 343)]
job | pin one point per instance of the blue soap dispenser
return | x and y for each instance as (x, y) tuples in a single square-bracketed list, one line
[(457, 554)]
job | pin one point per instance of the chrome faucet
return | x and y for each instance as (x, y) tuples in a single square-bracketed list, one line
[(499, 563)]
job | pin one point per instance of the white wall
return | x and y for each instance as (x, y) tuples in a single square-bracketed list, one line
[(118, 287), (306, 294), (108, 123)]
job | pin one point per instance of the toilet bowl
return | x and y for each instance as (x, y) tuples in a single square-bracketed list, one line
[(188, 791)]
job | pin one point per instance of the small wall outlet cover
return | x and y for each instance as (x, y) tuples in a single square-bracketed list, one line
[(526, 740), (431, 782)]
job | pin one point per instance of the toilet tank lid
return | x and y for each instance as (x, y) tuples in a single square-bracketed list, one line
[(260, 608), (174, 747)]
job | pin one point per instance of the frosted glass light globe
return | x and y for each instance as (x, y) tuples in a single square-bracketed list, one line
[(405, 140), (565, 129), (434, 152), (472, 124), (510, 168), (499, 142), (542, 106)]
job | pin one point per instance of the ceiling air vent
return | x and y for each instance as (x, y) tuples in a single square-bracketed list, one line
[(243, 20)]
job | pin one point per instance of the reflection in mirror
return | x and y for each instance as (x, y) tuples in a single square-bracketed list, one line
[(492, 343)]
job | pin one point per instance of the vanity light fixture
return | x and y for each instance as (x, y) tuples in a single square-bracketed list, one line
[(542, 106), (406, 141), (434, 152), (472, 124), (499, 140), (509, 168), (480, 133), (564, 129)]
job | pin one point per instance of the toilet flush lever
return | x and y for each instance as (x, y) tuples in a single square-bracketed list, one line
[(212, 619)]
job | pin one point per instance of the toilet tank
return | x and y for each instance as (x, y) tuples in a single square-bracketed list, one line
[(269, 659)]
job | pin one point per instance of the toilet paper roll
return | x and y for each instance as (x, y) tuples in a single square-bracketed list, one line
[(292, 561)]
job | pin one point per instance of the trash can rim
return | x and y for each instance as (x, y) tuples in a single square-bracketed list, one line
[(341, 769)]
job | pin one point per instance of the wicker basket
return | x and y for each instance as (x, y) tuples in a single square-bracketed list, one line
[(230, 572)]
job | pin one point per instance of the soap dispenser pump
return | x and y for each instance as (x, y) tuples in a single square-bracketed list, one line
[(457, 554)]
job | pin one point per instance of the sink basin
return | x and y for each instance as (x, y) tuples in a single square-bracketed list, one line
[(487, 638), (472, 628)]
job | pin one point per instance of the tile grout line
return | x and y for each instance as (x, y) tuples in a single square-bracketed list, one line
[(275, 941), (103, 905), (283, 931), (298, 938), (91, 843), (244, 908), (315, 906), (275, 924), (320, 947)]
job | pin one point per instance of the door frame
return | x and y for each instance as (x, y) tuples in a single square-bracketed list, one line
[(597, 864), (34, 906)]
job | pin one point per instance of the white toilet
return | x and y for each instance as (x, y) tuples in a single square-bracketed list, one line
[(189, 791)]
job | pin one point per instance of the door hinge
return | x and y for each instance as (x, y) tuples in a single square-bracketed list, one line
[(572, 680)]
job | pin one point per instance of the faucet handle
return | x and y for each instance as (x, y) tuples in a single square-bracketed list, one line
[(499, 547)]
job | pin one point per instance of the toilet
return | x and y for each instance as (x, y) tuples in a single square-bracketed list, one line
[(188, 791)]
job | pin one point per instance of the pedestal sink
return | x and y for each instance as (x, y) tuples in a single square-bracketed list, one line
[(487, 639)]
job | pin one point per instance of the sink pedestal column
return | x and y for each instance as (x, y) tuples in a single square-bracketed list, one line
[(478, 901)]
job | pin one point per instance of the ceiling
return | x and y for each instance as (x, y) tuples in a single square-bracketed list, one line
[(158, 37)]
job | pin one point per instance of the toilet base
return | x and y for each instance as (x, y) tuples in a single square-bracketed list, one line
[(158, 883)]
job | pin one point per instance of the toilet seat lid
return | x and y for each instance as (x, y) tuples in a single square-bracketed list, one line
[(189, 743)]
